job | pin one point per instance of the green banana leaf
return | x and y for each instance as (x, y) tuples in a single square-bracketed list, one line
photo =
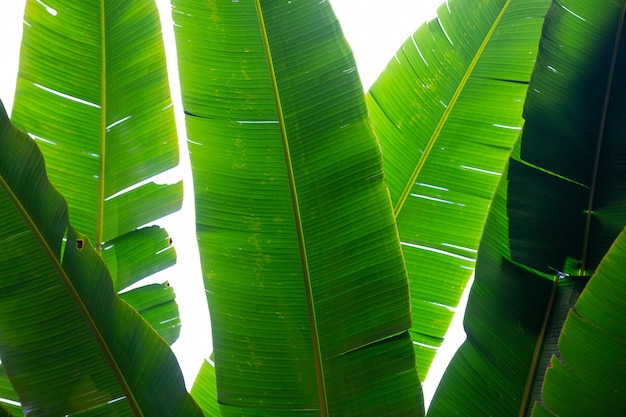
[(447, 110), (305, 280), (572, 146), (504, 320), (9, 402), (589, 375), (155, 302), (4, 411), (69, 345), (92, 90), (204, 390), (561, 204)]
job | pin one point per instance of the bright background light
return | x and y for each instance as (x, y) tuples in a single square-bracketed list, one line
[(374, 30)]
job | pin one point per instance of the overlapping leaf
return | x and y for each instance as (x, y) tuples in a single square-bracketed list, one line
[(306, 285), (565, 202), (572, 147), (589, 376), (92, 90), (447, 111), (491, 372), (204, 390), (68, 343)]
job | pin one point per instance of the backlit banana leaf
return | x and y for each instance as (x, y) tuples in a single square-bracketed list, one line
[(92, 90), (306, 284), (565, 202), (204, 390), (589, 376), (9, 403), (68, 343), (506, 312), (447, 110), (156, 304)]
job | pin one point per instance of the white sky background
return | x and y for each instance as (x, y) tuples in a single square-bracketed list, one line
[(374, 29)]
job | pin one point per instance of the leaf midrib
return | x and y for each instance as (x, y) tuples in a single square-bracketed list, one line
[(102, 134), (76, 297), (601, 134), (298, 220), (446, 113)]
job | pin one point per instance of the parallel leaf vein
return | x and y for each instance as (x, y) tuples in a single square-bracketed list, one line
[(447, 112), (601, 133), (297, 217)]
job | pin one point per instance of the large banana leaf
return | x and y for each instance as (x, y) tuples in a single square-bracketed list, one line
[(68, 343), (565, 201), (589, 377), (92, 90), (447, 111), (306, 285)]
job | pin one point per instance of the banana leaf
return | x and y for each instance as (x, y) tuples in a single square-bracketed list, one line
[(92, 90), (589, 375), (68, 343), (572, 148), (9, 402), (155, 302), (561, 204), (447, 111), (305, 280), (204, 390), (504, 321)]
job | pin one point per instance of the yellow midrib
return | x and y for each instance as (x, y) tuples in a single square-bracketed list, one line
[(446, 113), (103, 110), (298, 221), (80, 305)]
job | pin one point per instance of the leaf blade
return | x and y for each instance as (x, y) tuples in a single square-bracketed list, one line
[(92, 89), (447, 111), (67, 344), (246, 213)]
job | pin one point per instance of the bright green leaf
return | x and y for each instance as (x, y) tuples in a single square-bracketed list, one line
[(447, 110), (306, 284), (92, 90), (204, 390)]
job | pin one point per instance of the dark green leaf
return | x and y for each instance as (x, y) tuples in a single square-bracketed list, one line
[(589, 377), (68, 343), (566, 203), (506, 311), (573, 141)]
